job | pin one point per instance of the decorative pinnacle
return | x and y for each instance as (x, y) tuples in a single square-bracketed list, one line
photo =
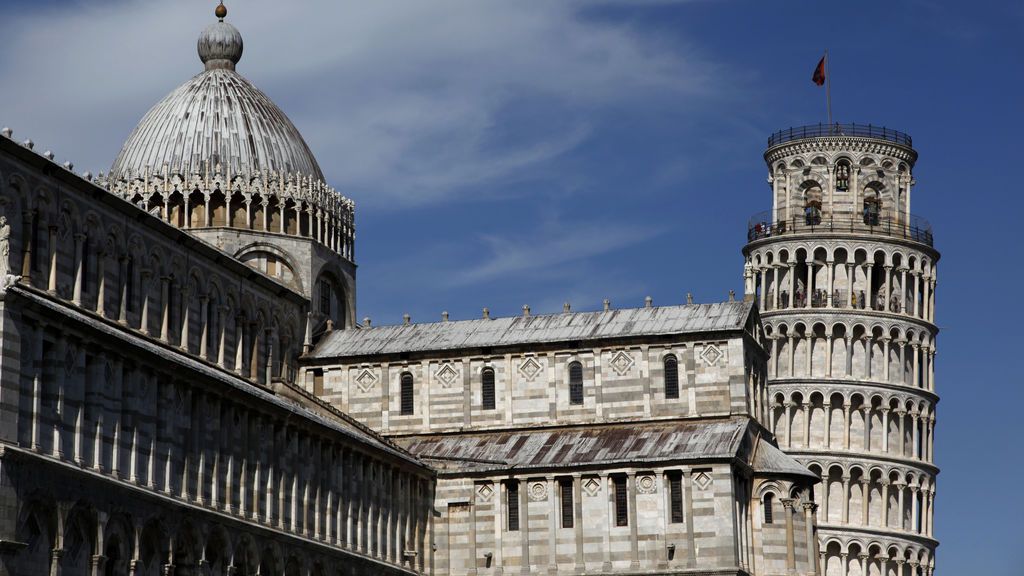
[(221, 11)]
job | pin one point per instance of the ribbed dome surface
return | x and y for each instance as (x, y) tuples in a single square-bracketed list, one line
[(216, 118)]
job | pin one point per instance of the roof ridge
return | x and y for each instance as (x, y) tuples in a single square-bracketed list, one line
[(589, 326), (554, 314)]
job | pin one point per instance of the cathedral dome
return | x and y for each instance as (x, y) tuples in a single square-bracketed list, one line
[(216, 122)]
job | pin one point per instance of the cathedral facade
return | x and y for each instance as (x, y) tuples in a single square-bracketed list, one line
[(185, 389)]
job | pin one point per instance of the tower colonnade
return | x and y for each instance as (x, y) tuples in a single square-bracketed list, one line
[(843, 274), (845, 277)]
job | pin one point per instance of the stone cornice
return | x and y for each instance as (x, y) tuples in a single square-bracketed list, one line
[(833, 144), (864, 387), (863, 459), (818, 235), (811, 316), (850, 532)]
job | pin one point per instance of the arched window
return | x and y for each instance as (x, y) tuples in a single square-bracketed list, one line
[(575, 383), (406, 394), (843, 175), (671, 377), (487, 388), (769, 499)]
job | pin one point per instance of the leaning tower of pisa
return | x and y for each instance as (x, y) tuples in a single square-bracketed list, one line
[(844, 275)]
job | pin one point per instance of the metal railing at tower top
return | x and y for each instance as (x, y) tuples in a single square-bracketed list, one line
[(763, 225), (840, 130)]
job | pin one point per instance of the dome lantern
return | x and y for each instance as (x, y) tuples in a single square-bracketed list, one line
[(220, 43)]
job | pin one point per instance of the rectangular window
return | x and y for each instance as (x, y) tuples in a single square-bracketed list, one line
[(325, 298), (318, 382), (621, 501), (675, 487), (565, 488), (512, 493)]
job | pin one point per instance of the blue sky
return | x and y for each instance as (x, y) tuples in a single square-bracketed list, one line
[(510, 153)]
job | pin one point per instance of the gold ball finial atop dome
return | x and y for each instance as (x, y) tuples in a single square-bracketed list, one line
[(221, 11)]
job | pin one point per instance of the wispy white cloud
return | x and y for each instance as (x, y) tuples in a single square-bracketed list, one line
[(403, 102), (555, 250)]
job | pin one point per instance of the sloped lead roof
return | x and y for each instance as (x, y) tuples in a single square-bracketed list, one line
[(602, 446), (525, 330), (216, 118)]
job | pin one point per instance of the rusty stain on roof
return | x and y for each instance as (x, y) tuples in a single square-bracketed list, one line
[(603, 446)]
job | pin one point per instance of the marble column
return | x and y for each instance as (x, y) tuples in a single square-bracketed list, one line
[(101, 283), (239, 343), (787, 505), (27, 244), (122, 314), (812, 543), (885, 357), (51, 286), (846, 500), (186, 308), (76, 297), (634, 543), (204, 319), (165, 306)]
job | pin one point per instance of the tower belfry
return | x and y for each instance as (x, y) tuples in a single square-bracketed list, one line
[(844, 275)]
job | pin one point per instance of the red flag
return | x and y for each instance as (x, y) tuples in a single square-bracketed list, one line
[(819, 73)]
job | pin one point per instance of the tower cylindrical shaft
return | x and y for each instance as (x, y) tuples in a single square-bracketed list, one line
[(844, 275)]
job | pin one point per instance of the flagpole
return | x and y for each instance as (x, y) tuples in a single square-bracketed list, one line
[(828, 90)]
